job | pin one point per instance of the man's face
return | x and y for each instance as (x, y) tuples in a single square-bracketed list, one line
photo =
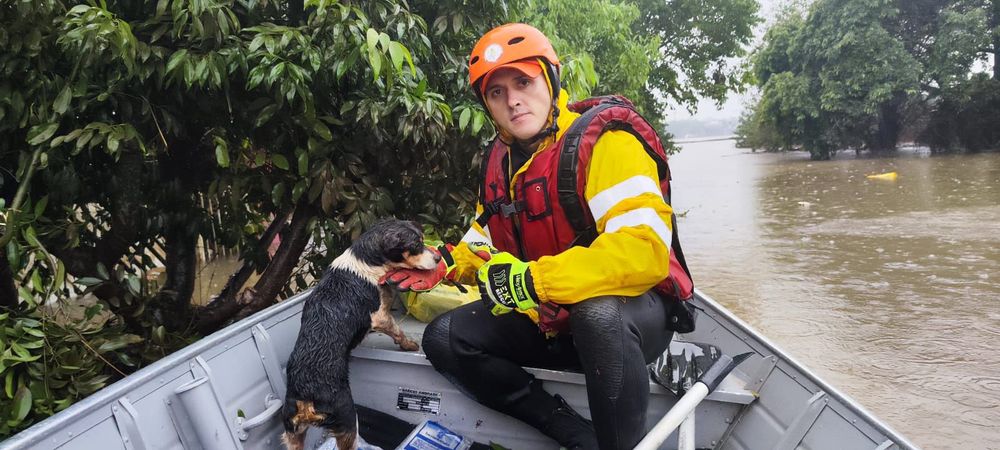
[(519, 104)]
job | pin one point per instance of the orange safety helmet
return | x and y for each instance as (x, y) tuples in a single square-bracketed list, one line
[(506, 44)]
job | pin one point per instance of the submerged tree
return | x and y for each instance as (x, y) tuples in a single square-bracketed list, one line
[(964, 107), (834, 78), (855, 74)]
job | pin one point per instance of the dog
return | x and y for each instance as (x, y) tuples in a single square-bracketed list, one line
[(346, 304)]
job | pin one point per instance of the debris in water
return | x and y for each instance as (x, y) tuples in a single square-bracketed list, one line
[(890, 176)]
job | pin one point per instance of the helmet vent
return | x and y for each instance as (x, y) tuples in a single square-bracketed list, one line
[(515, 40), (475, 59)]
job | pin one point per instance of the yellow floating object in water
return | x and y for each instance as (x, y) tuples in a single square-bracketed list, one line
[(883, 176)]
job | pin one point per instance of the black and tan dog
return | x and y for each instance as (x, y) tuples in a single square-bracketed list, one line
[(346, 304)]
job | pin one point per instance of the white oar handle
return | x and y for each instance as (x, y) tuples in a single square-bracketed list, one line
[(674, 417), (701, 388)]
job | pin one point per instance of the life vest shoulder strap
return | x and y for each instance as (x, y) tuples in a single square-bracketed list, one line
[(599, 115)]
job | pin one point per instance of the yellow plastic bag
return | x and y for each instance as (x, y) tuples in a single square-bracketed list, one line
[(425, 306)]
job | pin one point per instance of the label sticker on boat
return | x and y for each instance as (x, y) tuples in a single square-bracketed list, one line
[(419, 401)]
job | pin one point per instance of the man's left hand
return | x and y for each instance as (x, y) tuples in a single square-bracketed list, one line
[(417, 280), (505, 283)]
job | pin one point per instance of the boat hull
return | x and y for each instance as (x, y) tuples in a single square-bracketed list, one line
[(214, 388)]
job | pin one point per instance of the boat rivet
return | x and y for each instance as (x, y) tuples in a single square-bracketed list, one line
[(114, 408), (728, 421), (126, 439), (713, 443)]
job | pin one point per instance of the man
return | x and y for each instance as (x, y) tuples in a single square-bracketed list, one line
[(588, 307)]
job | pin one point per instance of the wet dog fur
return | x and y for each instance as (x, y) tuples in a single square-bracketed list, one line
[(346, 304)]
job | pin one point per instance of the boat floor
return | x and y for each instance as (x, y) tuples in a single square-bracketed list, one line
[(376, 356)]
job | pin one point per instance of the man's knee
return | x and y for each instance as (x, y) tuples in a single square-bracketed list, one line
[(446, 341), (437, 342), (597, 312)]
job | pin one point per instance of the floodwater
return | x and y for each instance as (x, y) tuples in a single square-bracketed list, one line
[(888, 290)]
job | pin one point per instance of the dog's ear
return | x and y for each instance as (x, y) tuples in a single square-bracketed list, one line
[(402, 241), (394, 247)]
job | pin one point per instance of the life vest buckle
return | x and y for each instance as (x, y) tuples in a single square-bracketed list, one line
[(509, 209)]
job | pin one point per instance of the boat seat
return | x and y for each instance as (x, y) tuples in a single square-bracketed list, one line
[(679, 366)]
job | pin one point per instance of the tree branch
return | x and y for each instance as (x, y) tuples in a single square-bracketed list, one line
[(285, 259), (22, 192), (225, 305), (174, 298)]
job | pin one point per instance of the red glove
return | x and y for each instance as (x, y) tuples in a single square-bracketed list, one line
[(422, 280)]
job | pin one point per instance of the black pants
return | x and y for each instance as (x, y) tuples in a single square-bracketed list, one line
[(612, 339)]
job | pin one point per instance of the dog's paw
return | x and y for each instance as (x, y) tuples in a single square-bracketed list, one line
[(409, 345)]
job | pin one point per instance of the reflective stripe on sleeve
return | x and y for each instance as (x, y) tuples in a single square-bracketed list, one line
[(601, 203), (641, 216), (473, 235)]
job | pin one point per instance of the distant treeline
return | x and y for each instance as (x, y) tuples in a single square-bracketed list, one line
[(866, 74), (694, 128)]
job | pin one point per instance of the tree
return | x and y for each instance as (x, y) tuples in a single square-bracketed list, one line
[(699, 46), (963, 107)]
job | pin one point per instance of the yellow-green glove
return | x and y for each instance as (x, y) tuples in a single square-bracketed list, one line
[(504, 281)]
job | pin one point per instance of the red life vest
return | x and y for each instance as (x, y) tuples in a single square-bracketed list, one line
[(549, 212)]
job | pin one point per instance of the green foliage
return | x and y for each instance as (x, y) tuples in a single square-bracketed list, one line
[(756, 132), (652, 52), (957, 46), (52, 356)]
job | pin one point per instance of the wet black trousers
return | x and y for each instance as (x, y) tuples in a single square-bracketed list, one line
[(612, 339)]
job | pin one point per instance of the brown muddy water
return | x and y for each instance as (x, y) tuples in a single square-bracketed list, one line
[(889, 290)]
